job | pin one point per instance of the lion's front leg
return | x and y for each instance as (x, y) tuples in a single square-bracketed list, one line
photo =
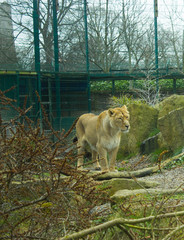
[(112, 159), (103, 159), (96, 164)]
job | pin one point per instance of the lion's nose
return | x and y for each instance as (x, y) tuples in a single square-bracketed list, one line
[(127, 127)]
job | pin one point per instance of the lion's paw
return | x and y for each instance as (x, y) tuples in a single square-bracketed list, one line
[(97, 168), (113, 170)]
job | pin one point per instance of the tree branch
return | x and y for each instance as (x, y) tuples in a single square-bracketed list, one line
[(120, 221), (173, 232), (42, 198)]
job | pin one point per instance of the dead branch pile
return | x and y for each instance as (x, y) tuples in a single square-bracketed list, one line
[(37, 201)]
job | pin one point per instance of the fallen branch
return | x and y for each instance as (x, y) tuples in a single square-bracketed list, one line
[(139, 173), (173, 232), (120, 221)]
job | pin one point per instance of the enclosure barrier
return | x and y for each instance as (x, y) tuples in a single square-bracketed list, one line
[(73, 88)]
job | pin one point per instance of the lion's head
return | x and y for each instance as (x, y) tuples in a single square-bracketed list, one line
[(119, 118)]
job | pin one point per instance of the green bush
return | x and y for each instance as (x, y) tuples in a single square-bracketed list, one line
[(104, 86), (166, 84), (101, 86), (123, 85), (124, 100)]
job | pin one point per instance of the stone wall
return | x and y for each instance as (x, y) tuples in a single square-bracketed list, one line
[(167, 118)]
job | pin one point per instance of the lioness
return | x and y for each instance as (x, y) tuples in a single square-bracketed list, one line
[(102, 133)]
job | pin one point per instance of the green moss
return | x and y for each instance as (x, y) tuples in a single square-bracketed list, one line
[(178, 151), (154, 132), (125, 155)]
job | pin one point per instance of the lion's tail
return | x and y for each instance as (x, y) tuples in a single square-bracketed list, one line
[(72, 127), (75, 139)]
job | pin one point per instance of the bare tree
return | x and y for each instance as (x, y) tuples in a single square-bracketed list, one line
[(104, 36), (174, 35), (22, 19), (120, 35), (132, 20), (8, 57)]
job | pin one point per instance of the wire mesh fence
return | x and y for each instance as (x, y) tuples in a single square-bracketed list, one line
[(72, 102), (65, 49)]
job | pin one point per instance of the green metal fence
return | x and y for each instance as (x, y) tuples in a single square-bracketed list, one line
[(65, 96), (62, 111)]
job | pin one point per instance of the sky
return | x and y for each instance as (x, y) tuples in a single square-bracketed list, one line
[(166, 8), (174, 8)]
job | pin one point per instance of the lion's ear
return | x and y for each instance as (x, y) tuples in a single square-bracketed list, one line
[(124, 107), (110, 112)]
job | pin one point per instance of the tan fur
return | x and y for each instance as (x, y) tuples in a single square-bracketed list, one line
[(103, 134)]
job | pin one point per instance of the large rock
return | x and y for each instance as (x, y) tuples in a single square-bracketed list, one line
[(167, 116), (150, 144), (117, 184), (120, 195), (169, 104), (171, 126), (143, 120)]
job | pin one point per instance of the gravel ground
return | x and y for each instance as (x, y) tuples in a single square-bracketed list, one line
[(168, 179)]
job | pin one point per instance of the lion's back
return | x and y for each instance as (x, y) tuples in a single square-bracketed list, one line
[(86, 125)]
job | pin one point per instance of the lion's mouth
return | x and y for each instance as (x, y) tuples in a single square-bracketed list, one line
[(125, 130), (127, 127)]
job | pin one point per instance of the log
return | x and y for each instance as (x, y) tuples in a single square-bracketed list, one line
[(130, 174)]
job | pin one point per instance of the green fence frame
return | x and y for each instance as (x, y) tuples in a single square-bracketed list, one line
[(72, 102)]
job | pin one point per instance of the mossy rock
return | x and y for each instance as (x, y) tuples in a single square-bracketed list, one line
[(171, 126), (169, 104), (143, 120), (130, 184), (138, 194)]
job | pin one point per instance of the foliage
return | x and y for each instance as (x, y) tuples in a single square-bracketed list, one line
[(43, 196), (101, 86), (122, 100), (123, 85), (167, 84), (178, 162)]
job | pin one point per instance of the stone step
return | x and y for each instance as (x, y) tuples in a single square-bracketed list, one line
[(123, 194), (116, 184)]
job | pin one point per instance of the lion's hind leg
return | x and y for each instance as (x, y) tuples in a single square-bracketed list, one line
[(81, 152)]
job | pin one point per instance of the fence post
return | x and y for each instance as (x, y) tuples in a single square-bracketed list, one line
[(37, 53), (56, 62), (156, 45), (174, 85), (18, 88), (113, 86), (87, 55)]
